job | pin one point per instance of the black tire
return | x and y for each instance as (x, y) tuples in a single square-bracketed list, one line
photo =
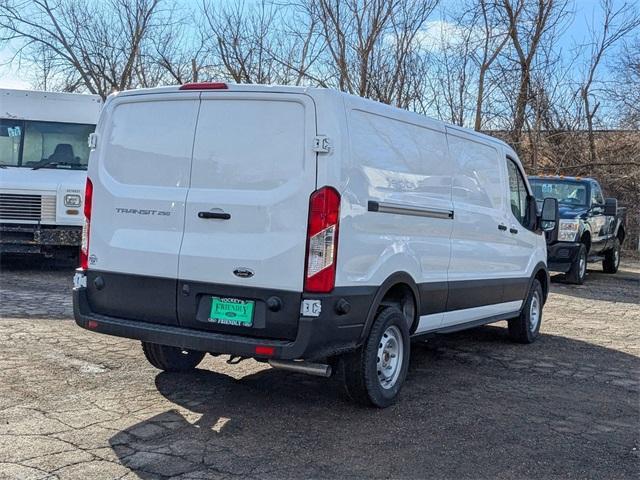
[(522, 329), (171, 359), (611, 260), (578, 271), (362, 377)]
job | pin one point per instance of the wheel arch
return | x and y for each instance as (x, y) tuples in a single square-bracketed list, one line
[(540, 273), (398, 289)]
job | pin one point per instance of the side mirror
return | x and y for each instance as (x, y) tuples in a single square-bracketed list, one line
[(550, 215), (531, 217), (610, 207)]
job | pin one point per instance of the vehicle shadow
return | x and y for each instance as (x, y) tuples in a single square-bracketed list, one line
[(622, 287), (473, 402)]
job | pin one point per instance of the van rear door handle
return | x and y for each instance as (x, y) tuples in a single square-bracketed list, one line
[(502, 227), (216, 215)]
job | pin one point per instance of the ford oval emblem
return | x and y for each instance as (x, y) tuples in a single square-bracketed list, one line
[(243, 272)]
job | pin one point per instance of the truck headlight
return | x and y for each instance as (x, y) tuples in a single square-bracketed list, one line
[(568, 230), (72, 200)]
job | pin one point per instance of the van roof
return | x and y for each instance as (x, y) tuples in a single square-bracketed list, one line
[(49, 106), (365, 102), (39, 94)]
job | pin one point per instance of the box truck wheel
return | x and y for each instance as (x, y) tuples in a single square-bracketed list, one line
[(171, 359), (375, 372), (525, 328)]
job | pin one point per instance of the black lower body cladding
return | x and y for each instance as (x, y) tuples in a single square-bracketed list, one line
[(187, 304), (175, 313)]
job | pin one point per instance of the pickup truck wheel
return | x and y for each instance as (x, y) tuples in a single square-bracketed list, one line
[(525, 328), (611, 260), (578, 270), (171, 359), (375, 372)]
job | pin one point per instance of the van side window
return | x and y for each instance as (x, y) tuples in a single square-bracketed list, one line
[(518, 192)]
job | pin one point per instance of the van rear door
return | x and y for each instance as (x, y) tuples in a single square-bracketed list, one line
[(141, 179), (253, 170)]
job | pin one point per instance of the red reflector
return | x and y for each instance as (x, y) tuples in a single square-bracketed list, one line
[(204, 86), (92, 324), (266, 351)]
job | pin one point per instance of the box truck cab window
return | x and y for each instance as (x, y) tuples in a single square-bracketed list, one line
[(10, 135), (25, 143)]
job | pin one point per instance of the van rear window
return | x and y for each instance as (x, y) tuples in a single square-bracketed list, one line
[(150, 142), (248, 144)]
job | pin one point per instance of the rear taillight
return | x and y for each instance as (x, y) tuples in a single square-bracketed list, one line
[(84, 247), (322, 240)]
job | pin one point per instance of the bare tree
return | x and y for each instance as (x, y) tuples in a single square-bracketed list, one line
[(96, 43), (372, 44), (259, 42), (616, 24), (174, 52), (494, 37), (530, 23), (452, 71), (625, 89)]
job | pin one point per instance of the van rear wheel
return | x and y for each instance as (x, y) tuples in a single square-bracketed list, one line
[(171, 359), (375, 372), (526, 327)]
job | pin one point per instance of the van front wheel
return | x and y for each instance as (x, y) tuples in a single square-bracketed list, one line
[(375, 372), (171, 359), (525, 327)]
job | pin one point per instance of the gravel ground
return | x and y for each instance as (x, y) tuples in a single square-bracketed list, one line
[(74, 404)]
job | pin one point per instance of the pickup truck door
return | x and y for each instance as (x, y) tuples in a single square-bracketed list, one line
[(600, 225)]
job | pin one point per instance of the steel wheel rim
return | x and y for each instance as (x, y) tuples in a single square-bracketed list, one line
[(390, 357), (616, 256), (583, 265), (534, 312)]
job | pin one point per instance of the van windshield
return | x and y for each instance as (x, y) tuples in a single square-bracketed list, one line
[(565, 191), (35, 144)]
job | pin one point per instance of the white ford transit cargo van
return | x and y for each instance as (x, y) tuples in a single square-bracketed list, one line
[(304, 227)]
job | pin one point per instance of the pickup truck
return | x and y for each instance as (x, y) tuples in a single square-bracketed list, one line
[(591, 229)]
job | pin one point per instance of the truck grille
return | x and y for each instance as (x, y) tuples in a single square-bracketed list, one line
[(27, 207)]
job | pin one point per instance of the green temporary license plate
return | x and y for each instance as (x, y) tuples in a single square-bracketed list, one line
[(231, 311)]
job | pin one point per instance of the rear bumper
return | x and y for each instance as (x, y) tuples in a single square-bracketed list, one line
[(561, 255), (317, 337), (24, 238)]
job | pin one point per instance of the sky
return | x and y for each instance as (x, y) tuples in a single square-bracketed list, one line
[(576, 33)]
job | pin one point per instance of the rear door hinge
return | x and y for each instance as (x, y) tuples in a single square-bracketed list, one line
[(321, 144)]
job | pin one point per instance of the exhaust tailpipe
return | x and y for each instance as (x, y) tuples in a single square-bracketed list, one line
[(317, 369)]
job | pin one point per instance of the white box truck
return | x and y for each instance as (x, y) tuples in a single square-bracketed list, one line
[(306, 228), (43, 162)]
